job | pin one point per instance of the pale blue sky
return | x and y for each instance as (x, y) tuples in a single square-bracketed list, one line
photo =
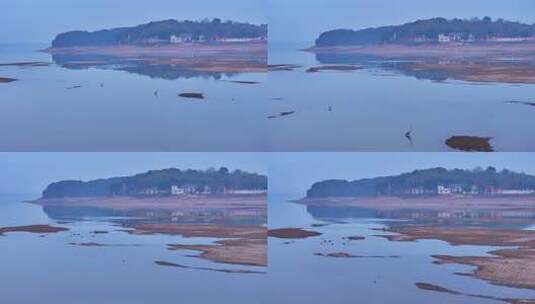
[(293, 173), (40, 20), (304, 20), (30, 173), (289, 20)]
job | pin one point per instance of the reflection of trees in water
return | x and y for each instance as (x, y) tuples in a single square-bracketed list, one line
[(134, 66), (489, 218), (215, 216), (430, 68)]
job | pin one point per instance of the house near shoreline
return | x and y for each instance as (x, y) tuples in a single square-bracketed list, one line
[(182, 38)]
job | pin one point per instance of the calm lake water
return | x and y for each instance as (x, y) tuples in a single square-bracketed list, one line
[(373, 108), (115, 108), (301, 277), (36, 268), (125, 272)]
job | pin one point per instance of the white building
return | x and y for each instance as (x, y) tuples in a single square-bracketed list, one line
[(441, 190), (443, 38), (176, 190), (182, 38), (450, 37)]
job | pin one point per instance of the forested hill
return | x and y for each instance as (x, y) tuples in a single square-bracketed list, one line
[(431, 30), (427, 182), (160, 182), (161, 32)]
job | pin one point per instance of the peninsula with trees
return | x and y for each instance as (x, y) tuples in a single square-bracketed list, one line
[(166, 32), (166, 182), (173, 194), (434, 182), (433, 31), (438, 49), (208, 46)]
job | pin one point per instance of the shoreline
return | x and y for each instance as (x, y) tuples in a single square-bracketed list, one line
[(256, 201), (386, 203), (479, 62), (238, 245), (248, 57), (513, 265), (428, 50)]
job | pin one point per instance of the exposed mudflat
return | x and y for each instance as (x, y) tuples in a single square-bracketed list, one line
[(292, 233), (470, 143), (246, 251), (6, 80), (169, 264), (333, 68), (509, 267), (32, 229)]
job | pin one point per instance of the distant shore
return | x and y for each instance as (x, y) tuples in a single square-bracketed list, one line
[(249, 203), (463, 50), (477, 62), (425, 203), (222, 57)]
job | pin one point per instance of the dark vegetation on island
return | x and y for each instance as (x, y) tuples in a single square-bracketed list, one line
[(158, 32), (160, 183), (429, 31), (426, 182)]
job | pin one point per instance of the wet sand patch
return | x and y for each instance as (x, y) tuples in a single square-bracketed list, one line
[(283, 67), (100, 232), (348, 255), (95, 244), (250, 252), (169, 264), (199, 230), (436, 288), (244, 82), (33, 229), (89, 244), (470, 143), (333, 68), (432, 287), (192, 95), (480, 72), (7, 80), (527, 103), (26, 64), (507, 267), (292, 233), (281, 114), (244, 245)]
